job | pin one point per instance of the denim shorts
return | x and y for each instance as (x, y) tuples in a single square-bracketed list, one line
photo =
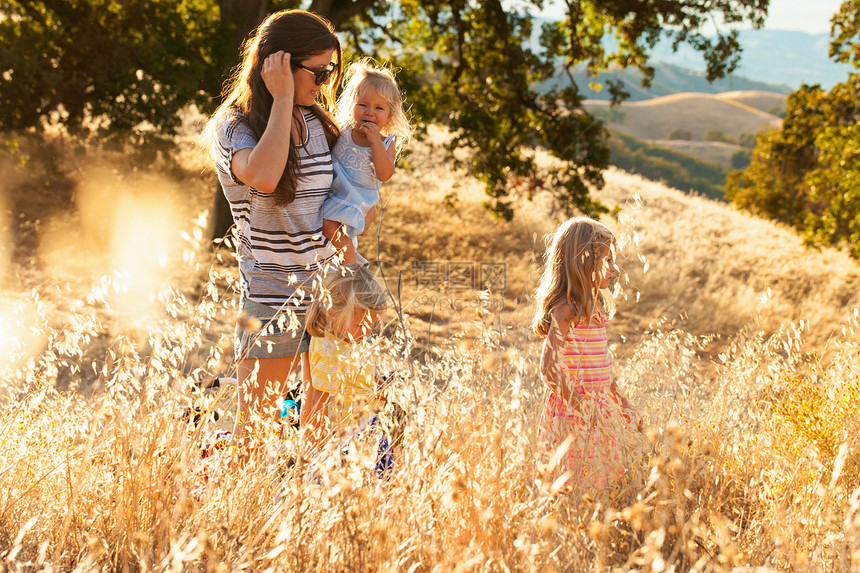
[(266, 332)]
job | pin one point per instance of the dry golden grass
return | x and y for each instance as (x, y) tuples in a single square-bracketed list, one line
[(700, 255), (694, 112), (722, 269), (750, 456)]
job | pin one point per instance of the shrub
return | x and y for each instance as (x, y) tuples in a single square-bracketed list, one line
[(718, 136), (747, 140), (681, 134), (741, 159)]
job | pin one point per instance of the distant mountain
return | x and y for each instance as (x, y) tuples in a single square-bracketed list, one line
[(772, 60), (668, 79), (772, 56)]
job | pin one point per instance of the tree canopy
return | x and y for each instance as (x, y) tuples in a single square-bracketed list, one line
[(807, 173), (120, 67), (476, 66)]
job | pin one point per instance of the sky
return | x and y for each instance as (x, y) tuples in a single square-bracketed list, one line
[(766, 58), (811, 16)]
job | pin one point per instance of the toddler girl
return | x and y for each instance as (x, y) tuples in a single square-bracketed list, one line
[(374, 128), (573, 307), (345, 394)]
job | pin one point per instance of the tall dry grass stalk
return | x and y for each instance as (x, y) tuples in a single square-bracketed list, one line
[(749, 455), (757, 465)]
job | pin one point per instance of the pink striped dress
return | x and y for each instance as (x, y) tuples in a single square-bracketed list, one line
[(593, 456)]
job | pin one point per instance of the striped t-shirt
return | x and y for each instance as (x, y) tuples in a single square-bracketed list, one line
[(279, 246), (585, 358)]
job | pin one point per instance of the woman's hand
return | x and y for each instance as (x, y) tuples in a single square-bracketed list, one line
[(262, 166), (277, 74)]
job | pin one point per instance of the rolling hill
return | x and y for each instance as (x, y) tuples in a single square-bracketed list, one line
[(697, 113), (766, 101), (707, 151), (680, 122), (694, 169)]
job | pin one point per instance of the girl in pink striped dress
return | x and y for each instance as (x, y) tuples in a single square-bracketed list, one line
[(584, 411)]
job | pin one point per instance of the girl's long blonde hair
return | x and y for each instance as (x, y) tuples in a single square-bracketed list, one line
[(363, 75), (570, 276), (342, 292)]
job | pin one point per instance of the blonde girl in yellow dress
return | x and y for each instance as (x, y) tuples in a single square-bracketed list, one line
[(345, 394)]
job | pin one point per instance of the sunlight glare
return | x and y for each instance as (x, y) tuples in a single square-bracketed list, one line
[(144, 242), (5, 242), (130, 227), (20, 339)]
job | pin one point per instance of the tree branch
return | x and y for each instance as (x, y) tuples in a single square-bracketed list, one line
[(461, 42), (338, 11)]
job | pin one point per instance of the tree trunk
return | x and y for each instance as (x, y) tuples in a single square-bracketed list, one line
[(323, 8), (339, 10), (242, 16)]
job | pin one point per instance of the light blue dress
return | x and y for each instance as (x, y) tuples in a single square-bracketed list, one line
[(355, 188)]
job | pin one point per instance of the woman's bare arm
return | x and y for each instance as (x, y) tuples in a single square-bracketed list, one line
[(262, 166)]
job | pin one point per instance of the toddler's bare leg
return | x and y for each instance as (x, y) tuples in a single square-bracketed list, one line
[(334, 232)]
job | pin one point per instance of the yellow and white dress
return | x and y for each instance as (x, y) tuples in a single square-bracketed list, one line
[(346, 371)]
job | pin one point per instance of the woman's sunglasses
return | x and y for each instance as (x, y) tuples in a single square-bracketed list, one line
[(320, 76)]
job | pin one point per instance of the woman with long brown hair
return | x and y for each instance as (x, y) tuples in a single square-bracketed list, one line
[(270, 141)]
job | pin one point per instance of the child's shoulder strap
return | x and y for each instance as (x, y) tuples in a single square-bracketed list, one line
[(388, 140)]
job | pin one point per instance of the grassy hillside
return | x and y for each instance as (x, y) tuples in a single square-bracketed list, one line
[(694, 112), (739, 346), (680, 164)]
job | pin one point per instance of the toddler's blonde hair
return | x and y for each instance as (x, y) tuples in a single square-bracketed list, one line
[(571, 273), (343, 291), (363, 75)]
